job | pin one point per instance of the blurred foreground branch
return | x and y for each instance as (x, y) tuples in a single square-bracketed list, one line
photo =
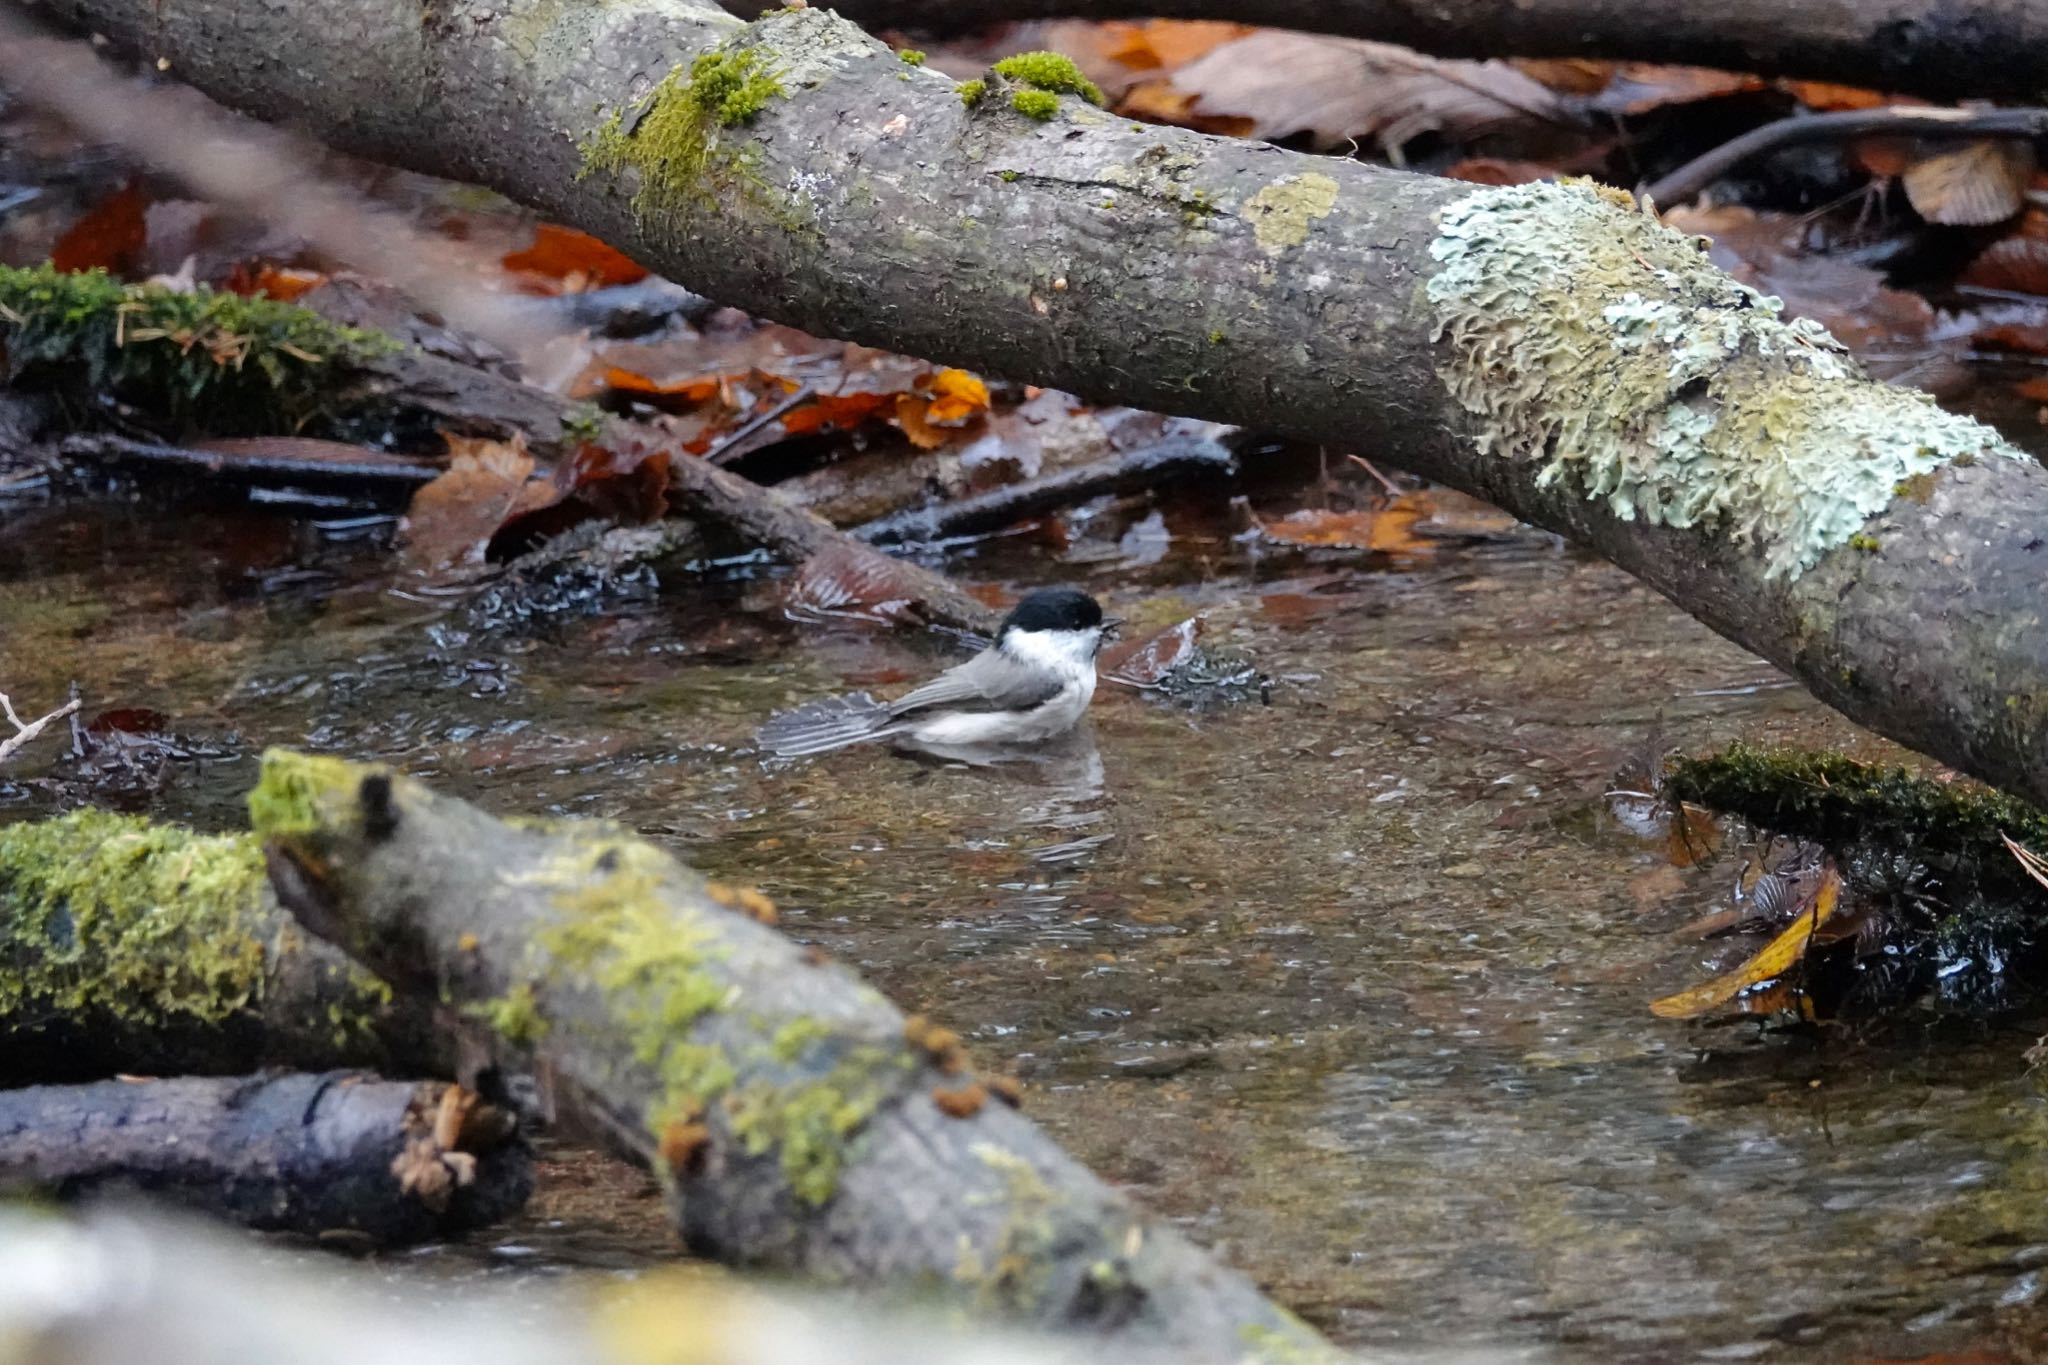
[(114, 1290)]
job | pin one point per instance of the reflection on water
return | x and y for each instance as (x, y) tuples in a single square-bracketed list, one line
[(1353, 985)]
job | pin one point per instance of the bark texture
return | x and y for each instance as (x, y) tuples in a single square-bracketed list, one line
[(137, 947), (387, 1162), (1545, 348), (1946, 48), (798, 1120)]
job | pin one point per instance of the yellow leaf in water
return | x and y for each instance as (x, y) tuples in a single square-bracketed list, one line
[(1775, 959)]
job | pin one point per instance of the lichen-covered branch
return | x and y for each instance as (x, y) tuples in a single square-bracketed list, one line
[(384, 1163), (1978, 49), (131, 946), (797, 1119), (1548, 348)]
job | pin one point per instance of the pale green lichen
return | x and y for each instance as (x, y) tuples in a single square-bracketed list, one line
[(811, 1123), (1015, 1276), (1584, 335), (151, 924), (1280, 214)]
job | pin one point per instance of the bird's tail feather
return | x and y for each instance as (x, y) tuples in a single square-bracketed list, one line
[(818, 726)]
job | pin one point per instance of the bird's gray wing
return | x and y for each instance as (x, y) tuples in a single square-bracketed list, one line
[(989, 681)]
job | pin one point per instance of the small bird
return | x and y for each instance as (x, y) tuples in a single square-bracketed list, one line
[(1033, 683)]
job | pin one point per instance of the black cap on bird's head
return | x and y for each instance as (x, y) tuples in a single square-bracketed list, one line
[(1056, 609)]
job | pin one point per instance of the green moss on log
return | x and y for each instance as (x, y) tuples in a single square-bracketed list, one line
[(1581, 334), (1042, 105), (636, 942), (148, 924), (217, 361), (1841, 804), (677, 139), (1050, 72)]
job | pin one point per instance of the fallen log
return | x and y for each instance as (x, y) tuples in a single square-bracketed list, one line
[(1945, 49), (1549, 348), (797, 1119), (381, 1163), (127, 946), (113, 1289)]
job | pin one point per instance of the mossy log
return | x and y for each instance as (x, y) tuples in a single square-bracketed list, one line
[(127, 946), (383, 1163), (115, 1289), (797, 1119), (1944, 908), (216, 363), (1550, 348), (1975, 49)]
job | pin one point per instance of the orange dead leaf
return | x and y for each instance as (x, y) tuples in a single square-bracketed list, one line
[(1145, 661), (1775, 959), (673, 396), (626, 482), (110, 237), (1825, 96), (912, 414), (1567, 75), (1640, 87), (956, 396), (1168, 43), (1384, 530), (273, 281), (2036, 389), (562, 253), (843, 411), (450, 520)]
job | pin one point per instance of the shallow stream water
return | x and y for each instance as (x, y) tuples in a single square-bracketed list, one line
[(1353, 985)]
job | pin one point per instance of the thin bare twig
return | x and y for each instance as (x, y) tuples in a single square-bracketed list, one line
[(26, 731), (1695, 175)]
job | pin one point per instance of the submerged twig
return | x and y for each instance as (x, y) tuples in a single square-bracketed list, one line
[(1128, 471)]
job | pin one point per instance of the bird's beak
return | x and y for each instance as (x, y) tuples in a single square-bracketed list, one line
[(1112, 627)]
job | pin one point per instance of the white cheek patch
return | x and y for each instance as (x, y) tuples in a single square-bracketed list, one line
[(1069, 653)]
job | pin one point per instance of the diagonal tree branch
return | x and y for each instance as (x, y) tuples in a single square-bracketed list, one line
[(1549, 348)]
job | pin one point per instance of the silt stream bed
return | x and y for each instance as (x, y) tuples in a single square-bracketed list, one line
[(1352, 984)]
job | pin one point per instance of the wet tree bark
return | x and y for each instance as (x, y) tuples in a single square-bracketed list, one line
[(132, 947), (1983, 49), (1549, 350), (386, 1163), (797, 1119)]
